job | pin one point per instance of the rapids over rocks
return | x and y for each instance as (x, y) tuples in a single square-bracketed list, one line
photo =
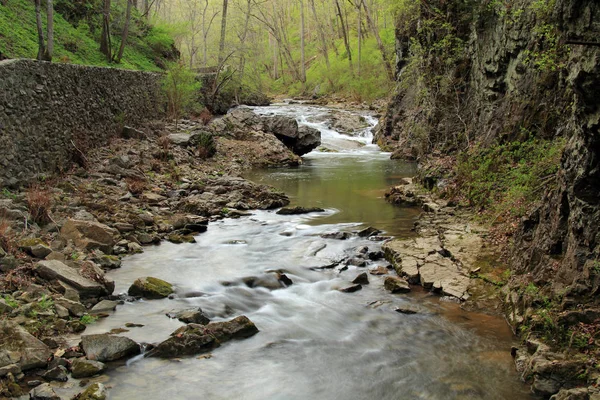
[(315, 342)]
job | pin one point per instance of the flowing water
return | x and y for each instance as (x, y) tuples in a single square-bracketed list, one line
[(315, 342)]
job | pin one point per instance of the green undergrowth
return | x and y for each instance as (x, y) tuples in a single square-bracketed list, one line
[(77, 39), (506, 179)]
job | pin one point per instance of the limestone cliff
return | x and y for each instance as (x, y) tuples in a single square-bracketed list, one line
[(482, 73)]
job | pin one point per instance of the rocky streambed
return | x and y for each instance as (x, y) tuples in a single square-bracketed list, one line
[(321, 311)]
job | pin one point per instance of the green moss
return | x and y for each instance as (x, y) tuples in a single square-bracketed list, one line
[(158, 286)]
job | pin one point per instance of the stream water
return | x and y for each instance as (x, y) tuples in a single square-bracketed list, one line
[(315, 342)]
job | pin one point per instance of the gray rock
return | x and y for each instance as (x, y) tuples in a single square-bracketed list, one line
[(179, 139), (572, 394), (74, 308), (82, 368), (368, 232), (337, 235), (40, 251), (19, 347), (89, 235), (299, 210), (105, 347), (58, 374), (53, 269), (104, 306), (194, 316), (13, 369), (195, 339), (43, 392)]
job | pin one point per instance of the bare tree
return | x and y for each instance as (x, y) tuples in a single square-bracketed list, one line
[(105, 44), (40, 31), (50, 30), (125, 33), (384, 56), (302, 50), (223, 31), (344, 32)]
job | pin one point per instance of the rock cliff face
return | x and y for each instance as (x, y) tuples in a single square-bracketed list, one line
[(498, 71)]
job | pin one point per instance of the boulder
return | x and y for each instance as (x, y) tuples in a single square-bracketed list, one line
[(89, 235), (192, 316), (95, 391), (379, 271), (150, 288), (43, 392), (362, 279), (83, 368), (195, 339), (5, 308), (58, 373), (298, 210), (19, 347), (104, 306), (75, 308), (53, 269), (337, 235), (104, 347), (300, 140), (368, 232), (396, 284), (35, 247), (351, 289)]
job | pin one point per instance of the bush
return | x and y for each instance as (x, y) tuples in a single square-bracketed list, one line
[(39, 201), (206, 145), (180, 88)]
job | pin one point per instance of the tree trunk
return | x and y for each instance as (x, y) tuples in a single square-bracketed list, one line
[(105, 45), (384, 57), (242, 65), (359, 37), (125, 31), (40, 30), (223, 31), (321, 31), (344, 33), (50, 31), (302, 54)]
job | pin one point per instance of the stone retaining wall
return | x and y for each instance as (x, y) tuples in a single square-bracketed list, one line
[(48, 109)]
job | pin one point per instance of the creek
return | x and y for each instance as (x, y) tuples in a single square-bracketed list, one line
[(315, 342)]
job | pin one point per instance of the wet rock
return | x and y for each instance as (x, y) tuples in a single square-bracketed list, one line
[(193, 316), (270, 281), (96, 391), (337, 235), (299, 210), (43, 392), (195, 339), (58, 374), (53, 269), (19, 347), (351, 289), (362, 279), (197, 228), (375, 255), (89, 235), (368, 232), (104, 306), (406, 310), (150, 288), (396, 284), (82, 368), (178, 239), (105, 347), (357, 262), (379, 271), (283, 278), (299, 140)]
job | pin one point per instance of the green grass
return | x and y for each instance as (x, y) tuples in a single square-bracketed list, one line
[(76, 44)]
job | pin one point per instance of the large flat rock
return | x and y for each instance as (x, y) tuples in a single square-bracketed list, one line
[(17, 346), (54, 269)]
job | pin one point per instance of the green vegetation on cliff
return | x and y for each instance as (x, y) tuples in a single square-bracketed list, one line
[(77, 29)]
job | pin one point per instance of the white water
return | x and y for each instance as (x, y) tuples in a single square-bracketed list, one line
[(314, 341)]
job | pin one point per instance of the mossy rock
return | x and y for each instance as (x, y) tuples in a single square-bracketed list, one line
[(28, 243), (177, 239), (150, 288), (96, 391)]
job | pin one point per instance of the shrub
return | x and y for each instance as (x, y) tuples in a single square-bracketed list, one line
[(135, 186), (180, 88), (6, 239), (206, 145), (205, 116), (39, 201)]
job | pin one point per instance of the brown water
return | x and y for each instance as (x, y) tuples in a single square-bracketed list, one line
[(314, 341)]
